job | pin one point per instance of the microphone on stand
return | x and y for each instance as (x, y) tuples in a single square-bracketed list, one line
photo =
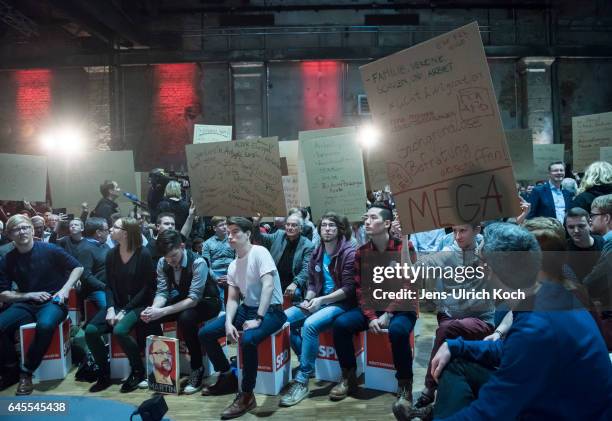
[(134, 199)]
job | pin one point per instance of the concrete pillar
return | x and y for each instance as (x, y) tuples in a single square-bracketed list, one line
[(536, 97), (248, 87)]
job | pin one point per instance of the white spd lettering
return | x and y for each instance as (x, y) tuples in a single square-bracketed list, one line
[(327, 352), (282, 358)]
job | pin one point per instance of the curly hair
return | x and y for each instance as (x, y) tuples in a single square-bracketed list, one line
[(596, 174)]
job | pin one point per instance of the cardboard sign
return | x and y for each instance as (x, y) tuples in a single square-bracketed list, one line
[(291, 189), (307, 135), (443, 141), (76, 179), (237, 178), (336, 181), (589, 134), (23, 177), (288, 149), (376, 169), (163, 371), (605, 154), (543, 156), (520, 144), (206, 133)]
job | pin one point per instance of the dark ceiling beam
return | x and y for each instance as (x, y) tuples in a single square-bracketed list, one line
[(542, 5), (104, 19), (140, 57)]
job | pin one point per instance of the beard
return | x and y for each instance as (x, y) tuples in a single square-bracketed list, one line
[(161, 368)]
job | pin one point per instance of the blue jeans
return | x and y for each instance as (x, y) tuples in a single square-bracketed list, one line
[(400, 326), (312, 324), (47, 317), (221, 290), (209, 334), (99, 299)]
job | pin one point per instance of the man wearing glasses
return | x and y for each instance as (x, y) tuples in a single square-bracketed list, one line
[(43, 274), (162, 377), (330, 293), (599, 280)]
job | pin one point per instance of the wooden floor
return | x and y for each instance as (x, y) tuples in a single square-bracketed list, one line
[(368, 405)]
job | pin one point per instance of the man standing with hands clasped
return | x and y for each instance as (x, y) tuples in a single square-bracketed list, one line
[(254, 275)]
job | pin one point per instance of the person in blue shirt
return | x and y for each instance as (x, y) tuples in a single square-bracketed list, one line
[(551, 365), (43, 274)]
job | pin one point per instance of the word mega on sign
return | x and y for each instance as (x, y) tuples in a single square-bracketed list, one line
[(443, 142)]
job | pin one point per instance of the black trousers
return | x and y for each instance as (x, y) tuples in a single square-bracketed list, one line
[(188, 322)]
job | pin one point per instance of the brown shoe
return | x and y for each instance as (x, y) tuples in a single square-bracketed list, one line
[(225, 384), (402, 407), (242, 404), (347, 386), (25, 386)]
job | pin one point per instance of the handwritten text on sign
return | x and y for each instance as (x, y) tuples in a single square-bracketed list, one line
[(336, 180), (205, 133), (237, 178), (589, 134), (444, 143)]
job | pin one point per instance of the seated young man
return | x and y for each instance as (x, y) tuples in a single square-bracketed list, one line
[(470, 318), (254, 275), (185, 293), (377, 222), (44, 274), (331, 292), (552, 364)]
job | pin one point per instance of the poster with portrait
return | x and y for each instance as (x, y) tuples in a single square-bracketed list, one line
[(163, 364)]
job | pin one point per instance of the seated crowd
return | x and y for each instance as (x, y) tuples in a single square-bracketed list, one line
[(544, 357)]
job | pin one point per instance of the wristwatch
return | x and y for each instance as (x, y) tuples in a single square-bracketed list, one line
[(259, 318)]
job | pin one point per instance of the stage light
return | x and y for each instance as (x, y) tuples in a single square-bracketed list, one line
[(368, 136), (64, 140), (48, 141)]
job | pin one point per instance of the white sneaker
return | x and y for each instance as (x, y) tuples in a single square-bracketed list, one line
[(143, 384)]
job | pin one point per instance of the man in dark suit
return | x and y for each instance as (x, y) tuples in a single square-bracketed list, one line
[(550, 199)]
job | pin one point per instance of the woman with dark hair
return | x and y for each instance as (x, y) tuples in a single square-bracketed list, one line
[(129, 288)]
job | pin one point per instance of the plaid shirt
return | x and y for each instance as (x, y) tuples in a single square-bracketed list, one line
[(394, 245)]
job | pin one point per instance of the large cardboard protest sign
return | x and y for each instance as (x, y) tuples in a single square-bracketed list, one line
[(446, 155), (237, 178), (23, 177), (336, 182), (74, 179), (307, 135), (605, 154), (291, 190), (520, 144), (589, 134), (206, 133), (543, 156)]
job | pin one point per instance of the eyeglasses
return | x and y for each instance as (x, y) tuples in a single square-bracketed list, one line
[(23, 228), (164, 353), (596, 214)]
